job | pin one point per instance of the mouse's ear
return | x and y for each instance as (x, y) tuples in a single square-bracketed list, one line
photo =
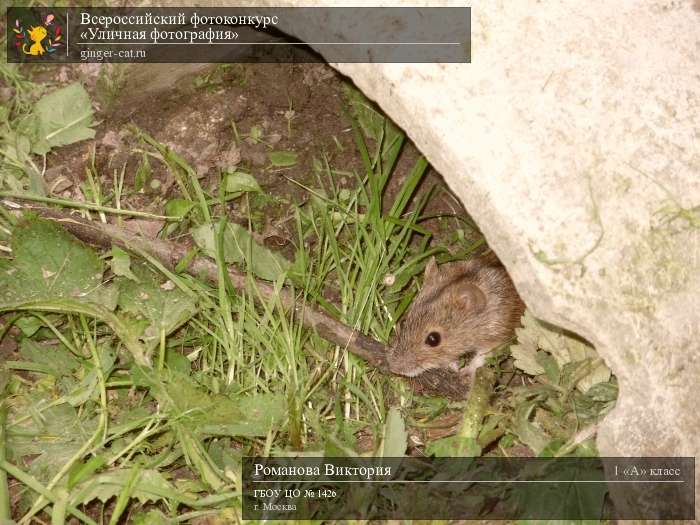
[(471, 297), (431, 269)]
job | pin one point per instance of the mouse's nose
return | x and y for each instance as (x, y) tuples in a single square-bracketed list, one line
[(396, 365)]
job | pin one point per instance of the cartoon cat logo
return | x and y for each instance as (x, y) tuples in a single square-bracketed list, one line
[(36, 35), (31, 41)]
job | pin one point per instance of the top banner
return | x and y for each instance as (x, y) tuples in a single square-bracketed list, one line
[(218, 35)]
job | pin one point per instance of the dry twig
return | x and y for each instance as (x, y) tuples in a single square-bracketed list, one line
[(170, 253)]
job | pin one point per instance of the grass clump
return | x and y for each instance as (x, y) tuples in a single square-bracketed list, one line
[(137, 384), (136, 390)]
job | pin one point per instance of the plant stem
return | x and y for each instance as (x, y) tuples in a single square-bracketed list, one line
[(84, 206), (477, 403)]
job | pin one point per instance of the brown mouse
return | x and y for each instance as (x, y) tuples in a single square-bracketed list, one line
[(464, 308)]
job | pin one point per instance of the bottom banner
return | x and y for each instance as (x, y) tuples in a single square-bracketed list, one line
[(469, 488)]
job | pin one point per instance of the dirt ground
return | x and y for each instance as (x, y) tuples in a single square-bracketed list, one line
[(291, 107)]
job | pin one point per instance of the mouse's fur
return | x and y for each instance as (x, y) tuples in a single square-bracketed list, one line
[(472, 305)]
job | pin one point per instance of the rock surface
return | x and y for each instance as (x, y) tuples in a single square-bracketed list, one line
[(573, 139)]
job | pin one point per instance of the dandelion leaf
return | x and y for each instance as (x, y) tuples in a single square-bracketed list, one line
[(50, 265)]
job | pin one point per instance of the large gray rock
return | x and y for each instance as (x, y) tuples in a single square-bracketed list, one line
[(573, 140)]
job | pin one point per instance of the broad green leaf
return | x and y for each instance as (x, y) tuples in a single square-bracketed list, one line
[(152, 517), (57, 359), (128, 416), (525, 355), (178, 362), (121, 264), (210, 414), (159, 303), (599, 374), (49, 264), (240, 182), (150, 486), (551, 448), (237, 240), (83, 390), (551, 368), (282, 159), (62, 117), (603, 392), (249, 416), (194, 485), (529, 433), (454, 446), (49, 441), (226, 456), (15, 147), (563, 347), (28, 324), (52, 271), (178, 207), (587, 408)]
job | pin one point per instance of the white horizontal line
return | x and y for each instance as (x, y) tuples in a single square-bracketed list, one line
[(461, 481), (270, 43)]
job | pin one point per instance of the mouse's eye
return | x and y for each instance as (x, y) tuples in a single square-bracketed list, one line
[(433, 339)]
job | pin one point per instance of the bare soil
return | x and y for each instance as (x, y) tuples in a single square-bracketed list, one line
[(294, 107)]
